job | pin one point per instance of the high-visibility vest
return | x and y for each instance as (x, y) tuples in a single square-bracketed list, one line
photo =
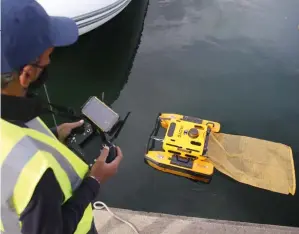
[(26, 153)]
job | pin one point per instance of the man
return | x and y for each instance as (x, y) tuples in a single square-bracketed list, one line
[(45, 188)]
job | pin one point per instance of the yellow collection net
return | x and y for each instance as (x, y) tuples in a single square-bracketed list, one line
[(260, 163)]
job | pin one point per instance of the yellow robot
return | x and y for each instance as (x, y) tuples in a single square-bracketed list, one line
[(184, 146)]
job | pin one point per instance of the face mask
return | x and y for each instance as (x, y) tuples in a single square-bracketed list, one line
[(36, 85)]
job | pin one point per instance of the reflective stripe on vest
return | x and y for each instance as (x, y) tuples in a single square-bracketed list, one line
[(39, 126), (20, 155)]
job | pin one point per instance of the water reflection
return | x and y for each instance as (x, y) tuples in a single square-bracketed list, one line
[(174, 24), (99, 62)]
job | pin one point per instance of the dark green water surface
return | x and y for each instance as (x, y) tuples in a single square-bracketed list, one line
[(231, 61)]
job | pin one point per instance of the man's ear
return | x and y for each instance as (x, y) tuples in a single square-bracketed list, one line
[(27, 76)]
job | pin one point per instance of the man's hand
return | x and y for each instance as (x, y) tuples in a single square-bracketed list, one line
[(65, 129), (102, 170)]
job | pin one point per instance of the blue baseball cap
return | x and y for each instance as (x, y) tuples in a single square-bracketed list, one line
[(27, 31)]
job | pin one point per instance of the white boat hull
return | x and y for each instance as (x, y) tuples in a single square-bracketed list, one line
[(88, 14), (89, 23)]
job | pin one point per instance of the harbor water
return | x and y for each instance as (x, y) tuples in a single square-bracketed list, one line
[(231, 61)]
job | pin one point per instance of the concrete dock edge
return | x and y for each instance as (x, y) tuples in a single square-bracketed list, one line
[(156, 223)]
